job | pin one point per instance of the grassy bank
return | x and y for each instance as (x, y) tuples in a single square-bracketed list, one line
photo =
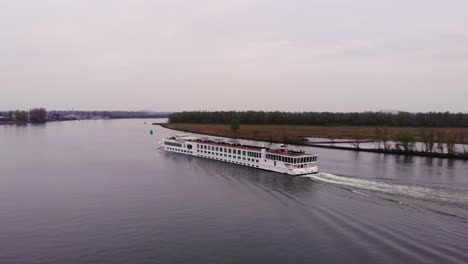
[(295, 134)]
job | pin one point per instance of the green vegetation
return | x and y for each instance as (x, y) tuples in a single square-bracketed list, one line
[(38, 115), (235, 125), (296, 134), (21, 116), (405, 140), (402, 119), (438, 142)]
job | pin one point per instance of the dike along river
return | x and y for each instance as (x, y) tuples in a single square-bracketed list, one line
[(100, 192)]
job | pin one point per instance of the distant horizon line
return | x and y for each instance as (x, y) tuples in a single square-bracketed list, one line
[(272, 111)]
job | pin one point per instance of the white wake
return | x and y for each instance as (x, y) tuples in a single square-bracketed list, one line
[(404, 190)]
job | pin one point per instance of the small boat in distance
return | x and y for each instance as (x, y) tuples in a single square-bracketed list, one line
[(278, 160)]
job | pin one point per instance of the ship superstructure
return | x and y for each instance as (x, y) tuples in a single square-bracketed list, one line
[(279, 160)]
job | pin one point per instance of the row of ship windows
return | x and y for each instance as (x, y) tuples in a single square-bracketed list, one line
[(236, 162), (180, 150), (172, 144), (230, 151), (291, 160), (227, 156)]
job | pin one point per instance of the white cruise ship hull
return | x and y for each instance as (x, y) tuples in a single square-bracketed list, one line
[(281, 161)]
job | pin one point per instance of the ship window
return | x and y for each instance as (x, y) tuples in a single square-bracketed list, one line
[(229, 150), (243, 152), (238, 152), (225, 149)]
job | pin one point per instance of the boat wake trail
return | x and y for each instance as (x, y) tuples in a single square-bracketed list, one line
[(395, 189)]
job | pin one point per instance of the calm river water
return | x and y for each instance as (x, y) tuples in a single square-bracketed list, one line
[(100, 192)]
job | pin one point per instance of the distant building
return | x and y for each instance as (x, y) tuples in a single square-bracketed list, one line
[(5, 117), (392, 112), (54, 116)]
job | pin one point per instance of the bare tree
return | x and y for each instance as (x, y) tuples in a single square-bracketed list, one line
[(450, 144), (406, 141), (385, 139), (38, 115), (440, 139), (356, 141), (462, 142), (378, 137), (21, 116)]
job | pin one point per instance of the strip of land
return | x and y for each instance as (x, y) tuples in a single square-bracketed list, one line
[(295, 134)]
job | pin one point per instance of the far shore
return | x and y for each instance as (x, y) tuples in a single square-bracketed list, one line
[(295, 135)]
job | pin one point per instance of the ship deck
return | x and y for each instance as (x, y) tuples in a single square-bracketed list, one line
[(288, 153)]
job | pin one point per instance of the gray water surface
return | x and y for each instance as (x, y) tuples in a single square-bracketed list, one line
[(99, 192)]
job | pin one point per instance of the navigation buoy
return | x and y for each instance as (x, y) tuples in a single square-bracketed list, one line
[(151, 132)]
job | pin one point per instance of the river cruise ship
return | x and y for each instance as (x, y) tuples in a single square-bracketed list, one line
[(279, 160)]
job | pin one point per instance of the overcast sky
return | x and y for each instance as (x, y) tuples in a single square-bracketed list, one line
[(304, 55)]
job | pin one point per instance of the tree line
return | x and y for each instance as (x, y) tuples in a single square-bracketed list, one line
[(41, 115), (430, 141), (430, 119), (35, 115)]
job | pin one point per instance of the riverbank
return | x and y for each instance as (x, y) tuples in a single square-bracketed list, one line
[(293, 134), (8, 123)]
